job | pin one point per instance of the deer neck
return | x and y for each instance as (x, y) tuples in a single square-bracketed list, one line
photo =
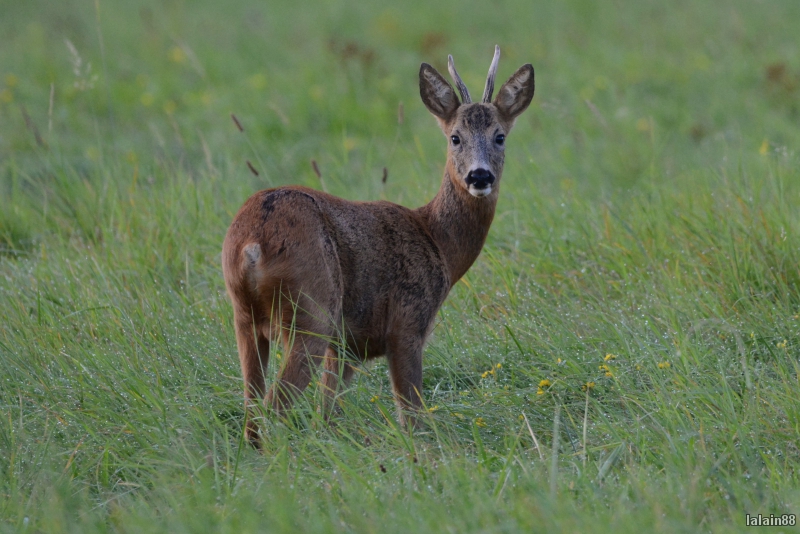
[(459, 224)]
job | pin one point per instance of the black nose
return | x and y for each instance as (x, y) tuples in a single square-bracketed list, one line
[(480, 178)]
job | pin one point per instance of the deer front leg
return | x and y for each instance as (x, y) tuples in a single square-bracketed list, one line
[(405, 370)]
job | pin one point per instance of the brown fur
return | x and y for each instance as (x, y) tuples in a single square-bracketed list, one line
[(310, 268)]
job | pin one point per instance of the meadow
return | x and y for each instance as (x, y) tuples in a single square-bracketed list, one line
[(623, 356)]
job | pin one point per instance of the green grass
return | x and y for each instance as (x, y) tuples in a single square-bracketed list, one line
[(649, 211)]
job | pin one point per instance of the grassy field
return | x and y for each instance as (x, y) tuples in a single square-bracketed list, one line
[(623, 357)]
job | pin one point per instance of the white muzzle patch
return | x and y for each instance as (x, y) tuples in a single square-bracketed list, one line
[(479, 193)]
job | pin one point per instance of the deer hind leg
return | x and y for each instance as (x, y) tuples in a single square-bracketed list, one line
[(304, 353), (335, 378), (405, 369), (253, 347), (306, 343)]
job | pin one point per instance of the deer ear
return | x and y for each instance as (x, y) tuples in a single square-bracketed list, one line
[(516, 94), (437, 95)]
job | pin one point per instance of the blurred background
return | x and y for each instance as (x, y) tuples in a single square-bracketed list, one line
[(621, 86)]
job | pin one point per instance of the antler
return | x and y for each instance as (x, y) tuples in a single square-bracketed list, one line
[(487, 92), (465, 98)]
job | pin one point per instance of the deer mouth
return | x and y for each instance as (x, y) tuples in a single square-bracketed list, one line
[(479, 193)]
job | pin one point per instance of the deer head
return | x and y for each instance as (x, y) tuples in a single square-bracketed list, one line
[(476, 132)]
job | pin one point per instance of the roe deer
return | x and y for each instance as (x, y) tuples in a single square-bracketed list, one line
[(299, 264)]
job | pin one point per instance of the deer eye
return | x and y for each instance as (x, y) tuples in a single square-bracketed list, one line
[(500, 139), (455, 139)]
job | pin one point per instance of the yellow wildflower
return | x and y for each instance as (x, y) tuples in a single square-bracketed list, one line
[(499, 365), (349, 144), (257, 81), (545, 383), (587, 385), (480, 422), (177, 55), (663, 365), (610, 357), (433, 409), (316, 92), (373, 398), (701, 62)]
